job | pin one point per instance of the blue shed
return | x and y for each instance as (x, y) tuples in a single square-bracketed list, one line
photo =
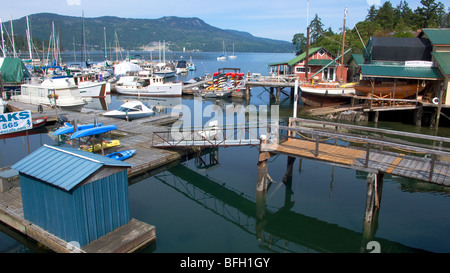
[(76, 195)]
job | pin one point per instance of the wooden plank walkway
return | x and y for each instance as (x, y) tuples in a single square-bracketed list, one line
[(414, 167), (417, 156), (136, 134)]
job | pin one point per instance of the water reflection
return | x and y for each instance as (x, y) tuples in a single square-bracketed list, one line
[(275, 229)]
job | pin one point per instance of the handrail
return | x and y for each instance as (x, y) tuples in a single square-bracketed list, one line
[(371, 129)]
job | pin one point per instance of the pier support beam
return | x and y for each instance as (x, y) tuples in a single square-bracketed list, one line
[(261, 182), (290, 166), (373, 202), (418, 114)]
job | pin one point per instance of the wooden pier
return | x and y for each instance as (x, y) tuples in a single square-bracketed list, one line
[(136, 134), (375, 151)]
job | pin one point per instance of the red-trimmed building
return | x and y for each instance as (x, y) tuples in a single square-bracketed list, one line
[(321, 63)]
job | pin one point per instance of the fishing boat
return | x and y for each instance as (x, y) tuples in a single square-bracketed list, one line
[(60, 91), (182, 67), (121, 155), (69, 128), (97, 147), (326, 94), (130, 110), (156, 88), (89, 87), (163, 70), (389, 89)]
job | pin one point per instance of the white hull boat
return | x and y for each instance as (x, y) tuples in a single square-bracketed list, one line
[(130, 110), (60, 91), (156, 88)]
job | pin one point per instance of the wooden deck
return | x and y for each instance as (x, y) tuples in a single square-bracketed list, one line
[(400, 165), (136, 134), (129, 238), (363, 148)]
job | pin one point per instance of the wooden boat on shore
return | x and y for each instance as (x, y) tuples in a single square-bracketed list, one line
[(326, 94), (390, 90)]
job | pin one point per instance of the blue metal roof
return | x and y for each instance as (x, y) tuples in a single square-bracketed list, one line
[(63, 167)]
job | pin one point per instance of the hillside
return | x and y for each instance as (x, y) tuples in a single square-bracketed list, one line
[(133, 34)]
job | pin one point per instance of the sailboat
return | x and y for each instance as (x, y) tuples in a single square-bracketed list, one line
[(232, 56), (321, 94), (223, 57)]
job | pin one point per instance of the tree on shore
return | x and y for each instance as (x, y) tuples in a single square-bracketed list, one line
[(385, 21)]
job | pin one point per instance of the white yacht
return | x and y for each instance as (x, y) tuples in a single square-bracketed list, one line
[(156, 88), (60, 91)]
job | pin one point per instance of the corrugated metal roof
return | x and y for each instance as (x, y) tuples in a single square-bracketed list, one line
[(359, 59), (63, 167), (322, 62), (430, 73), (443, 59), (298, 58), (438, 36)]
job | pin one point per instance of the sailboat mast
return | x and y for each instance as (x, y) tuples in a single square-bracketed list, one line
[(106, 52), (29, 38), (3, 41), (343, 43), (12, 37)]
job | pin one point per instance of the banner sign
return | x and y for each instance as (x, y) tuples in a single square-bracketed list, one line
[(15, 122)]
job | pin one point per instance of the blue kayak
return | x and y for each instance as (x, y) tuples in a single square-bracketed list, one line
[(93, 131), (122, 155), (69, 128)]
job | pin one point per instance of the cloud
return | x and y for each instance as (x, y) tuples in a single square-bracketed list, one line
[(370, 2), (73, 2)]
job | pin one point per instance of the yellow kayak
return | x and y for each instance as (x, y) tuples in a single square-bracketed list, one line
[(106, 144)]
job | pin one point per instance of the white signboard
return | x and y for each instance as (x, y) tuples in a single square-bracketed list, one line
[(418, 64), (15, 121)]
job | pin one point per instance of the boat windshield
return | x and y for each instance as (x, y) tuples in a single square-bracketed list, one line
[(126, 109)]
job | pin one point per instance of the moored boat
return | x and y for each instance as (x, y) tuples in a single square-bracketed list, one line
[(37, 124), (326, 94), (60, 91), (156, 88), (130, 110)]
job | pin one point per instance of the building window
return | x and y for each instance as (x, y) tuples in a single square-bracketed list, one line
[(321, 52), (302, 69)]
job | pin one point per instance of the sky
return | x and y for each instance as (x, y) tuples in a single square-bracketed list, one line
[(275, 19)]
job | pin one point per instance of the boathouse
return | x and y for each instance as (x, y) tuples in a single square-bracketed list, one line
[(440, 41), (322, 66), (76, 195), (388, 59)]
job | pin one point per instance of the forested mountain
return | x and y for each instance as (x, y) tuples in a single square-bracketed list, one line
[(133, 34)]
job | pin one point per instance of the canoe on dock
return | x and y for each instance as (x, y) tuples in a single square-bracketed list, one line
[(122, 155)]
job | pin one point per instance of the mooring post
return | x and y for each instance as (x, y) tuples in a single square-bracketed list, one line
[(261, 180), (290, 165), (373, 201)]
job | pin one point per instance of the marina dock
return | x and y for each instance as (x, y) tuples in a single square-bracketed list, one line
[(136, 134)]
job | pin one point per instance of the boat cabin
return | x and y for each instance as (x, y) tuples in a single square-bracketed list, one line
[(322, 66)]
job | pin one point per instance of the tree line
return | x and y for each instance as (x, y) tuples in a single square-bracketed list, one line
[(385, 21)]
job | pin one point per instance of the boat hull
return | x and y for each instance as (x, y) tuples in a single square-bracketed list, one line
[(324, 97), (165, 90), (92, 89), (386, 90)]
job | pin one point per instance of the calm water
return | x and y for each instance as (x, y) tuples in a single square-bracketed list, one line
[(199, 206)]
